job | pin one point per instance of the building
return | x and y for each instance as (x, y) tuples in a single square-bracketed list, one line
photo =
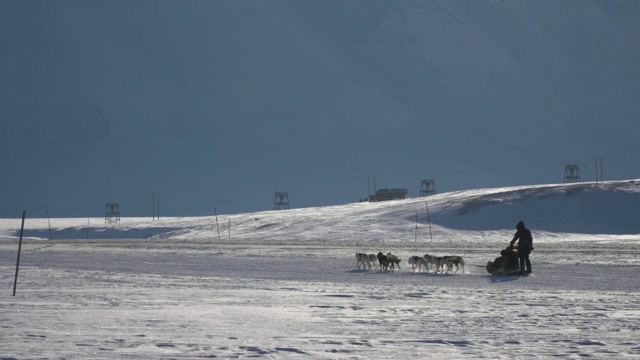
[(389, 194)]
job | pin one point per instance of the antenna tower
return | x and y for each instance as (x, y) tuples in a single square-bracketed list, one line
[(281, 201), (427, 187), (571, 174), (112, 214)]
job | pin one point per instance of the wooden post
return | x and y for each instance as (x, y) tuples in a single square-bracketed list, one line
[(155, 199), (416, 232), (217, 225), (49, 219), (429, 220), (15, 281)]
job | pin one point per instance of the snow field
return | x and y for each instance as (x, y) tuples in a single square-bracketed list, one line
[(282, 301)]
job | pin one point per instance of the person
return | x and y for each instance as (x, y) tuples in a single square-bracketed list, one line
[(525, 246)]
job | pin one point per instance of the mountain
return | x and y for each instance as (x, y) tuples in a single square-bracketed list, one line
[(222, 103)]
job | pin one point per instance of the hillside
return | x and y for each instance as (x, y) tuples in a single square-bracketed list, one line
[(580, 211), (223, 103)]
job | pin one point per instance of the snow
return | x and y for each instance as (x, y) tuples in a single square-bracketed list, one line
[(284, 284)]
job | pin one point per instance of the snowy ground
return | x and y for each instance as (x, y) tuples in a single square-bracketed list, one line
[(265, 290)]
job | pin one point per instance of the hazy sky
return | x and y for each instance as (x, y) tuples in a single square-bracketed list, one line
[(224, 103)]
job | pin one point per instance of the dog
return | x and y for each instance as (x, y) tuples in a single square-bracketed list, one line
[(393, 260), (373, 260), (383, 261), (417, 262), (430, 260), (440, 264), (457, 261), (449, 262), (363, 261)]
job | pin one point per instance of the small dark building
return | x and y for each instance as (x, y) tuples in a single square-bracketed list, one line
[(389, 194)]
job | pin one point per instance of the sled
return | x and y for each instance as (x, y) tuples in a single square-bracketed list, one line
[(506, 264)]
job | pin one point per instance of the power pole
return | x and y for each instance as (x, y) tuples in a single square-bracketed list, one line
[(599, 176), (156, 206), (372, 195)]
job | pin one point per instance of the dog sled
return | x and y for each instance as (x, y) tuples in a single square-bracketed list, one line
[(506, 264)]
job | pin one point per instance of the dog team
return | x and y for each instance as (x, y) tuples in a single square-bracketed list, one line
[(390, 261), (384, 262)]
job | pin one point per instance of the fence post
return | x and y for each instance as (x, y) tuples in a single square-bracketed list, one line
[(217, 224), (15, 282), (429, 221)]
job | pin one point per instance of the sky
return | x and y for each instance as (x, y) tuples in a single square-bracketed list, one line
[(285, 284), (215, 106)]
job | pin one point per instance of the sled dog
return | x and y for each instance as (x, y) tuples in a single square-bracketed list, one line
[(449, 262), (373, 260), (430, 260), (362, 261), (383, 261), (417, 262), (393, 260)]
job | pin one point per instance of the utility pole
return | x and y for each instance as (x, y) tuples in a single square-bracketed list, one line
[(599, 176), (156, 206), (371, 195)]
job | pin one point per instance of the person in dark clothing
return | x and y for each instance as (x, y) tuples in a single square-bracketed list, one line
[(525, 246)]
